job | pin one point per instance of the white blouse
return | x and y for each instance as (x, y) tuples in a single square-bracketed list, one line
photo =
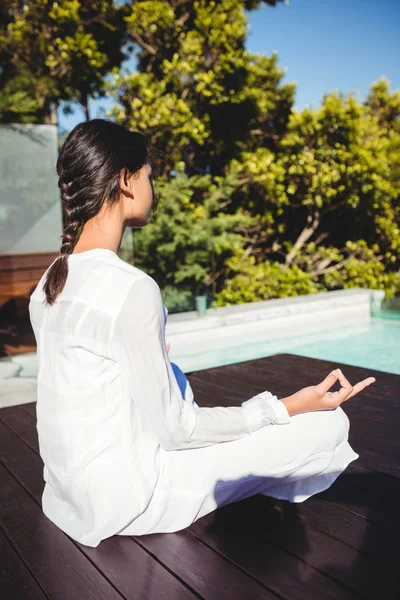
[(108, 402)]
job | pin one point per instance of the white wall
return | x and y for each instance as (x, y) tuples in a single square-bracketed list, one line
[(30, 202)]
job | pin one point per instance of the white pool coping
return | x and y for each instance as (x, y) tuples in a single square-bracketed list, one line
[(191, 335), (349, 301)]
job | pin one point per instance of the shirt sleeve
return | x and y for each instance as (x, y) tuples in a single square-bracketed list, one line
[(138, 344)]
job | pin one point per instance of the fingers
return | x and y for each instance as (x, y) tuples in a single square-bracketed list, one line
[(353, 389), (361, 385), (347, 390), (328, 382)]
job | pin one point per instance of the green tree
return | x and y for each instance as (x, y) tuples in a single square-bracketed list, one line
[(384, 104), (53, 51), (191, 238), (199, 95), (330, 192), (251, 281), (315, 186)]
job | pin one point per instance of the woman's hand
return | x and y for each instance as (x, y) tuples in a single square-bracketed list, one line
[(168, 347), (318, 397)]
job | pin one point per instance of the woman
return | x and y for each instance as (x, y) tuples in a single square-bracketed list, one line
[(126, 449)]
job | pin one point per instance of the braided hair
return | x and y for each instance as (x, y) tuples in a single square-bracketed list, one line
[(89, 166)]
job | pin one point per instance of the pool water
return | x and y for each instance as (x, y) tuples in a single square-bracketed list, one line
[(374, 344)]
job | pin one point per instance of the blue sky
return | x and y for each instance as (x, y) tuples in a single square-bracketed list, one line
[(324, 45)]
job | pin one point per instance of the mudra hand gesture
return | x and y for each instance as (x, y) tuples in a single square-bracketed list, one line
[(318, 397)]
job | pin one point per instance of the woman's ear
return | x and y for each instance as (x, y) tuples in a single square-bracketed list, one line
[(124, 182)]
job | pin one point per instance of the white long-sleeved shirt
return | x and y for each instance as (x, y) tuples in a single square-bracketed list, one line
[(108, 403)]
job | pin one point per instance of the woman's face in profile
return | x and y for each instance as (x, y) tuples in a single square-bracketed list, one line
[(139, 206)]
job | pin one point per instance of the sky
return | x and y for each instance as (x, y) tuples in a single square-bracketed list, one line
[(324, 45)]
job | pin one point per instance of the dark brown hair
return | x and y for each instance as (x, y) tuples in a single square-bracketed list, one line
[(88, 166)]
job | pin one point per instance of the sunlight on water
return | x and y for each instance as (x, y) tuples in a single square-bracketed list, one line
[(374, 345)]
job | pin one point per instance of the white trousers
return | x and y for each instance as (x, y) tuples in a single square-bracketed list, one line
[(290, 462)]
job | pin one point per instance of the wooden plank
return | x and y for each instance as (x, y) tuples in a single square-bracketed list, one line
[(364, 535), (57, 564), (384, 428), (123, 562), (249, 547), (390, 380), (240, 385), (20, 460), (369, 402), (27, 260), (23, 423), (378, 461), (247, 526), (20, 273), (205, 571), (265, 375), (16, 582), (310, 370), (135, 572), (365, 504), (290, 371), (213, 391), (30, 408), (376, 483), (390, 447), (288, 364)]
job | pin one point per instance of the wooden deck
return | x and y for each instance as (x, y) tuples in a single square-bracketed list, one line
[(338, 545)]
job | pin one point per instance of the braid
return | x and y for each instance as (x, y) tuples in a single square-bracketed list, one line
[(70, 237), (74, 215), (58, 273)]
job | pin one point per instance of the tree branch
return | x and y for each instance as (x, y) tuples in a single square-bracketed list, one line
[(338, 265), (185, 93), (303, 237), (143, 44)]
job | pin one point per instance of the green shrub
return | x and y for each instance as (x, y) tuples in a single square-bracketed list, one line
[(254, 282), (177, 300)]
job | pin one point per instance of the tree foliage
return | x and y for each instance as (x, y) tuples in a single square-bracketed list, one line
[(199, 95), (53, 51), (261, 281), (257, 200), (318, 187), (331, 195), (192, 237), (323, 209)]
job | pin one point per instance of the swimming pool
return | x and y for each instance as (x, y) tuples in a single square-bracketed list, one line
[(374, 344)]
